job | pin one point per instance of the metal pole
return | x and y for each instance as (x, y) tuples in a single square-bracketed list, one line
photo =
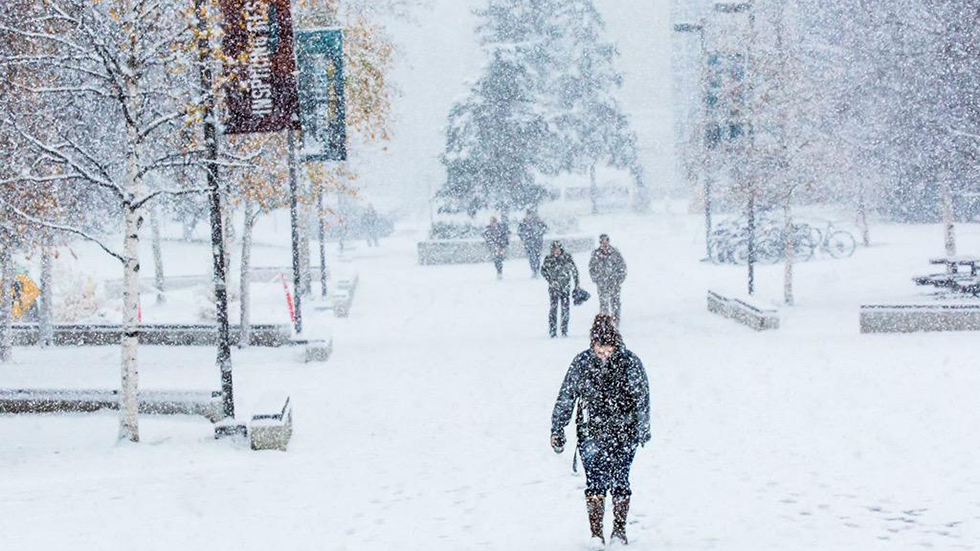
[(751, 147), (323, 244), (706, 161), (294, 226), (751, 236), (223, 360)]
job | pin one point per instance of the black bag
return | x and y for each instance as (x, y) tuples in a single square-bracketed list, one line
[(579, 296)]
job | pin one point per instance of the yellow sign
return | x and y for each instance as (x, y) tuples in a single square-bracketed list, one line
[(26, 294)]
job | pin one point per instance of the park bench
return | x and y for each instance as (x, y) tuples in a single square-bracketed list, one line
[(953, 278), (151, 402), (152, 334), (272, 431)]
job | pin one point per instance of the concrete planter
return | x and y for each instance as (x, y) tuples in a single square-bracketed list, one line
[(475, 251), (742, 312), (914, 318)]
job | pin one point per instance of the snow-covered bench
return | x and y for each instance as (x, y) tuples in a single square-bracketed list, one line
[(272, 431), (159, 334), (914, 318), (741, 311), (343, 296), (151, 402)]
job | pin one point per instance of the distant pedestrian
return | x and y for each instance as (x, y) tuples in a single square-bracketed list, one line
[(497, 237), (559, 271), (370, 222), (612, 420), (608, 271), (532, 230)]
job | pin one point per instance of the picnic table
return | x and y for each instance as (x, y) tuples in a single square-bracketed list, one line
[(953, 263), (952, 278)]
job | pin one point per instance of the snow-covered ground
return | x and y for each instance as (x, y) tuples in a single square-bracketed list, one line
[(428, 428)]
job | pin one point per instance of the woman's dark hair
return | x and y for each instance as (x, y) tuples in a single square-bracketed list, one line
[(604, 332)]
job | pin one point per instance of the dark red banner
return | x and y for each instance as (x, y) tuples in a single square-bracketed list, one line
[(261, 92)]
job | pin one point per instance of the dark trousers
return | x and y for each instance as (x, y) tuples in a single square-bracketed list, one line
[(558, 296), (534, 257), (609, 302), (607, 467), (498, 263)]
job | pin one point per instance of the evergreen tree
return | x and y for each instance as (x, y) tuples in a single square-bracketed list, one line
[(590, 123), (552, 79), (492, 142)]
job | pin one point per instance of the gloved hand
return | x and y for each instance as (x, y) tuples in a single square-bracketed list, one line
[(644, 437), (558, 442)]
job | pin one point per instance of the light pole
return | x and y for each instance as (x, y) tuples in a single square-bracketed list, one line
[(743, 172), (706, 174), (214, 198)]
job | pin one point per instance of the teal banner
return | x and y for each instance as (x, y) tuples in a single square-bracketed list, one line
[(320, 58)]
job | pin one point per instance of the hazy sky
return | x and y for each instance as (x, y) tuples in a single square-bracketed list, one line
[(439, 58)]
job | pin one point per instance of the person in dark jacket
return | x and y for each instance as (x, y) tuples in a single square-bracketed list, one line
[(497, 237), (612, 420), (559, 271), (532, 230), (608, 271)]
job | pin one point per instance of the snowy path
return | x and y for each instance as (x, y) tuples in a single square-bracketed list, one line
[(428, 428)]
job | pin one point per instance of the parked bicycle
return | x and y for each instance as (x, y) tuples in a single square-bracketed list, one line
[(729, 242)]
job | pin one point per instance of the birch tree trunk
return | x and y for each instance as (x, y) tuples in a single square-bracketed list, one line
[(949, 228), (160, 280), (129, 387), (863, 216), (229, 236), (788, 251), (593, 190), (245, 278), (306, 271), (46, 305), (129, 399), (6, 299)]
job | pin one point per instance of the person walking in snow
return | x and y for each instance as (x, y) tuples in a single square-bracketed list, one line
[(608, 271), (497, 237), (531, 231), (612, 420), (370, 222), (559, 271)]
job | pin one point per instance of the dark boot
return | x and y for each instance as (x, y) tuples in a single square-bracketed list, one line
[(621, 507), (596, 506)]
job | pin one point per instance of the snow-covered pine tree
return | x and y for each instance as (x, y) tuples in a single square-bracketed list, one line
[(580, 91), (494, 140)]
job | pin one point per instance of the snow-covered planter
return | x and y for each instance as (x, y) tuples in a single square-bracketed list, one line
[(915, 318), (474, 251), (760, 319)]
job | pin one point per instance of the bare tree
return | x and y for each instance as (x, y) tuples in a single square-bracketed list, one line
[(118, 72)]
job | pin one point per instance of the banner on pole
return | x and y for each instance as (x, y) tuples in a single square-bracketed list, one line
[(320, 55), (261, 90)]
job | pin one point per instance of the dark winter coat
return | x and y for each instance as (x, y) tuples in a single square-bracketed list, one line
[(613, 399), (497, 237), (607, 270), (532, 232), (559, 271)]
